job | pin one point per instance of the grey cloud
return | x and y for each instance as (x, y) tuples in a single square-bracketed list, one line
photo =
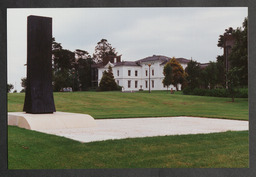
[(135, 32)]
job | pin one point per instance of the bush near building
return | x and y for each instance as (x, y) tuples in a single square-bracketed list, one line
[(107, 82), (240, 92)]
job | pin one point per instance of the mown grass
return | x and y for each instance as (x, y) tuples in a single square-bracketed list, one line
[(34, 150), (141, 104)]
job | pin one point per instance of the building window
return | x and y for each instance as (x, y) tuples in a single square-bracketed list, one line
[(136, 73), (146, 84), (129, 72), (146, 72), (129, 84), (136, 84), (153, 84), (153, 72), (117, 72), (117, 81)]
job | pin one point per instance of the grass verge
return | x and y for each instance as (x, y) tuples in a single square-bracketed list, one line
[(141, 104), (34, 150)]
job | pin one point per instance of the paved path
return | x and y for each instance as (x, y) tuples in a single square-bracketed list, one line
[(148, 127)]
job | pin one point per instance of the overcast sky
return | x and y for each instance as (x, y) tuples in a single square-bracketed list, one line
[(135, 32)]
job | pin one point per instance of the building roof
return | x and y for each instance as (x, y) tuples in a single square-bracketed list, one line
[(127, 63), (123, 63), (203, 65), (180, 60), (183, 60), (161, 58), (154, 58)]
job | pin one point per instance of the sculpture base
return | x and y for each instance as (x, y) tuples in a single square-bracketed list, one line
[(57, 120)]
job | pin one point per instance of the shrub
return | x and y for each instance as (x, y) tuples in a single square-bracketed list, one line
[(187, 91), (107, 82), (240, 92)]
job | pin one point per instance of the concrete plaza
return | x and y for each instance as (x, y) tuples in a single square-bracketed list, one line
[(107, 129)]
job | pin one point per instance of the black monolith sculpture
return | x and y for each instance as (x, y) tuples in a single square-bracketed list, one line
[(39, 91)]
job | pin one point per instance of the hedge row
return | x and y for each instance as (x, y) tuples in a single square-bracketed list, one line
[(240, 93)]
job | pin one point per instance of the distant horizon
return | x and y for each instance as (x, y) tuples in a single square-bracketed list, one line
[(135, 33)]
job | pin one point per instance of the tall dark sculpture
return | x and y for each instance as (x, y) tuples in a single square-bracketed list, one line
[(39, 91)]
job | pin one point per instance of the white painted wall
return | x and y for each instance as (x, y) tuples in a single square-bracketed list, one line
[(141, 78)]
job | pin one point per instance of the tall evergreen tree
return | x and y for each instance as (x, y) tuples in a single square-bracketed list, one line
[(103, 49), (107, 82)]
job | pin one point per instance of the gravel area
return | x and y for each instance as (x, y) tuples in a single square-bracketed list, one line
[(107, 129)]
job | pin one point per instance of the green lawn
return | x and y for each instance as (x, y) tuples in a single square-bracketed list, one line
[(141, 104), (34, 150)]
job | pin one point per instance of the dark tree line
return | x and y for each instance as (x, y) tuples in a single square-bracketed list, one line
[(239, 54), (72, 69), (208, 77), (238, 57), (215, 75)]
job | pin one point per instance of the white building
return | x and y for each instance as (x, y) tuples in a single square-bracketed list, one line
[(134, 75)]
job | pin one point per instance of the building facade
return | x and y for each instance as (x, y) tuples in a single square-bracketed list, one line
[(141, 74)]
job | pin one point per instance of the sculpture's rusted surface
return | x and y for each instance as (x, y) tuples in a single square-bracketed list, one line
[(39, 91)]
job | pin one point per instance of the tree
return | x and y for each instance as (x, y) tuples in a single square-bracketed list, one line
[(228, 31), (239, 54), (102, 50), (221, 70), (178, 74), (220, 58), (22, 91), (212, 75), (71, 69), (9, 87), (24, 83), (167, 75), (107, 82), (84, 62), (212, 72), (233, 81), (63, 67), (63, 59), (193, 71), (56, 45), (204, 81), (62, 79)]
